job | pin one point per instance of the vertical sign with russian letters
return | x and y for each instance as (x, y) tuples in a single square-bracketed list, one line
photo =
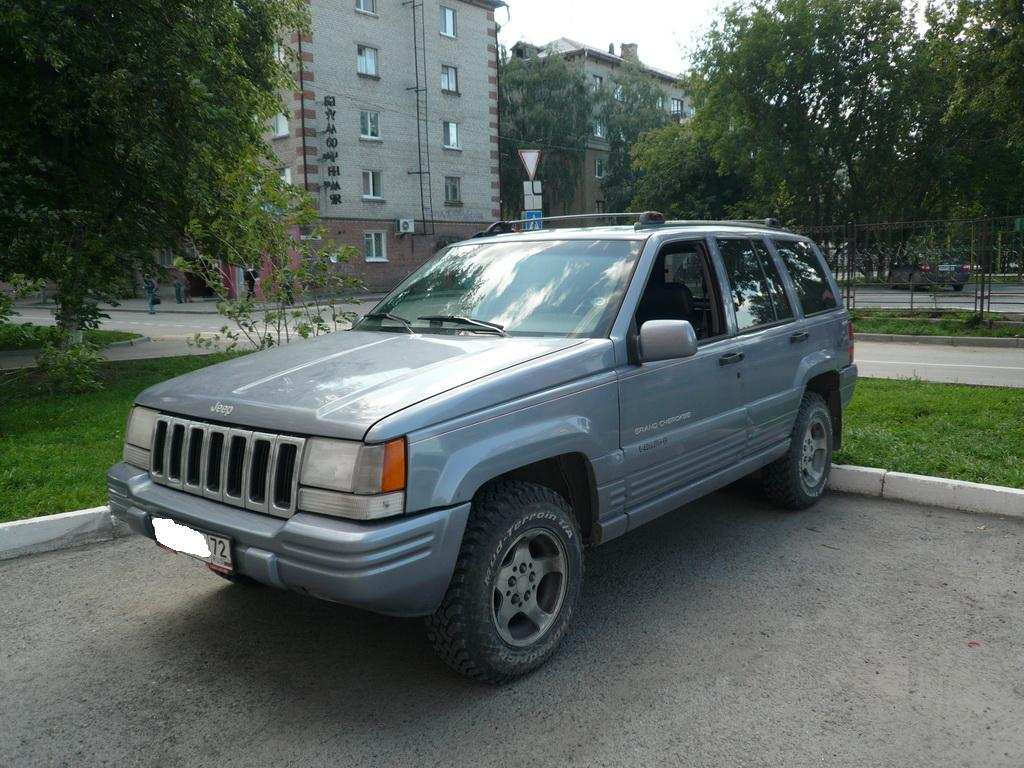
[(332, 186)]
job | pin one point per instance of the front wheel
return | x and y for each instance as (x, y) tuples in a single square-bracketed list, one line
[(798, 479), (958, 287), (515, 587)]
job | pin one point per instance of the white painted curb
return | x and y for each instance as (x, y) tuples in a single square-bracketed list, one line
[(67, 529), (932, 491)]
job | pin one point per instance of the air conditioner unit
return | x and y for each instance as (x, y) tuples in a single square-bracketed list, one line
[(406, 226)]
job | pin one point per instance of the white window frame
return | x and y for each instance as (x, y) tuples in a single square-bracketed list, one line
[(597, 82), (600, 167), (366, 126), (373, 237), (363, 61), (620, 93), (661, 103), (457, 200), (450, 80), (677, 112), (445, 10), (285, 174), (376, 185), (600, 131), (281, 126), (450, 130), (368, 7)]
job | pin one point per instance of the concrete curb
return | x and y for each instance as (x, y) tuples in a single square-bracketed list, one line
[(52, 532), (958, 495), (128, 342), (954, 341), (70, 529)]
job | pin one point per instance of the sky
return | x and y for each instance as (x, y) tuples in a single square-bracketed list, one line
[(665, 30)]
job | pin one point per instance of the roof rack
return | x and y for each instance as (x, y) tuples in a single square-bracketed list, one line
[(644, 220)]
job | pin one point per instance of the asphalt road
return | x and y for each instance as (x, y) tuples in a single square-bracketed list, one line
[(862, 633), (992, 366)]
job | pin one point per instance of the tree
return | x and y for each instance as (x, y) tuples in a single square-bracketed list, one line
[(675, 174), (813, 103), (121, 123), (543, 104), (627, 109)]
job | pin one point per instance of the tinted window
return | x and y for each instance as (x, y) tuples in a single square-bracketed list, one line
[(750, 290), (812, 286), (783, 311)]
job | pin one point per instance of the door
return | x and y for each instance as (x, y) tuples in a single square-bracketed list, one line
[(681, 421), (771, 342)]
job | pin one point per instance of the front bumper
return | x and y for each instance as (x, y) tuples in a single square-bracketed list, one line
[(399, 567)]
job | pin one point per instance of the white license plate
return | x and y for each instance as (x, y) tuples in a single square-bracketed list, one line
[(947, 267), (215, 550)]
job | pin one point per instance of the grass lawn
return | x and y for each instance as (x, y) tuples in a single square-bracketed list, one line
[(920, 324), (55, 450), (25, 336), (947, 430)]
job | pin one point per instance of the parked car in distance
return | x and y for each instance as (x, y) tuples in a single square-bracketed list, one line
[(519, 398), (924, 275)]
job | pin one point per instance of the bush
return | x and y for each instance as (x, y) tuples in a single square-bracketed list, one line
[(69, 369)]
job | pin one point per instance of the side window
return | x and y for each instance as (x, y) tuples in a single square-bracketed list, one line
[(812, 285), (783, 310), (749, 287), (681, 287)]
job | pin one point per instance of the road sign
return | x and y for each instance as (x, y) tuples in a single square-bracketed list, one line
[(533, 195), (531, 159), (533, 221)]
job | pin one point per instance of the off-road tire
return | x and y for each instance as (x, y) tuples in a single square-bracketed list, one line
[(782, 481), (463, 630)]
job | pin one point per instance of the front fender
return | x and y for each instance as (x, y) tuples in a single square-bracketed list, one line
[(455, 464)]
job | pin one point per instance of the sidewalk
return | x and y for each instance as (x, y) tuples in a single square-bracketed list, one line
[(170, 347), (169, 306)]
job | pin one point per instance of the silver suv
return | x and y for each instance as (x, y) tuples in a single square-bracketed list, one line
[(520, 397)]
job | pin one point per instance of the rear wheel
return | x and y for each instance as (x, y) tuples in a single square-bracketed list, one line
[(958, 287), (798, 479), (515, 586)]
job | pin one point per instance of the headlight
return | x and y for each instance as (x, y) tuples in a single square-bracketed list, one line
[(138, 436), (349, 479)]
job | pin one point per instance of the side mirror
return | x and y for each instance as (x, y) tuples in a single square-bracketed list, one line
[(667, 340)]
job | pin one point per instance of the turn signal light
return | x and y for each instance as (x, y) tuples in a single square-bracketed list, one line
[(393, 474)]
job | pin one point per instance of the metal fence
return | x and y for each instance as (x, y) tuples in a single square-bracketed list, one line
[(917, 265)]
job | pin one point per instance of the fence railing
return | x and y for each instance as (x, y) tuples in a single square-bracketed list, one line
[(966, 264)]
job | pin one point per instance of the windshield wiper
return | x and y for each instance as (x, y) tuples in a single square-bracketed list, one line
[(389, 316), (483, 325)]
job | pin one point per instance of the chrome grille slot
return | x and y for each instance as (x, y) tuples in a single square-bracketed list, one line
[(255, 470)]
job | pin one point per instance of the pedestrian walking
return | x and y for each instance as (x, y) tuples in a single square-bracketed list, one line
[(179, 290), (150, 284)]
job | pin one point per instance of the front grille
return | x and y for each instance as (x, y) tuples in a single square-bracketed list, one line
[(254, 470)]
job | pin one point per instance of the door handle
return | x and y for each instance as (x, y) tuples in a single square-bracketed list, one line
[(729, 359), (796, 338)]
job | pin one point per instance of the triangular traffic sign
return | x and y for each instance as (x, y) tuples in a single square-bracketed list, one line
[(531, 159)]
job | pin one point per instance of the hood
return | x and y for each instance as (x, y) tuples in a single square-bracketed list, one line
[(340, 384)]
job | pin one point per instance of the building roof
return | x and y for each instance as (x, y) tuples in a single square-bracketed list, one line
[(565, 46)]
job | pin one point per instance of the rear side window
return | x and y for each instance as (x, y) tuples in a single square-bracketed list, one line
[(812, 285), (754, 284)]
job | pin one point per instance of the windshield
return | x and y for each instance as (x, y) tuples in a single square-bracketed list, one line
[(528, 288)]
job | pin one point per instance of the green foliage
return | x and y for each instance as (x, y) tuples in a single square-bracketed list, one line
[(675, 174), (628, 108), (123, 122), (27, 336), (544, 104), (69, 369)]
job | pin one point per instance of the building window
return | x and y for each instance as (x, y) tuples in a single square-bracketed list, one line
[(451, 135), (375, 246), (600, 131), (596, 82), (452, 190), (367, 60), (280, 53), (286, 175), (448, 28), (677, 107), (620, 93), (599, 168), (369, 124), (661, 103), (372, 187), (599, 206), (280, 125), (367, 6), (449, 79)]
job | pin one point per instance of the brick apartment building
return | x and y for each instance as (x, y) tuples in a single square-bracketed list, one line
[(599, 68), (393, 127)]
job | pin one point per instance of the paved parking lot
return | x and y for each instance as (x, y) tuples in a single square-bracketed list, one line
[(862, 633)]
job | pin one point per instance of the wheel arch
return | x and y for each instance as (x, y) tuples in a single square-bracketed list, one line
[(827, 385)]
